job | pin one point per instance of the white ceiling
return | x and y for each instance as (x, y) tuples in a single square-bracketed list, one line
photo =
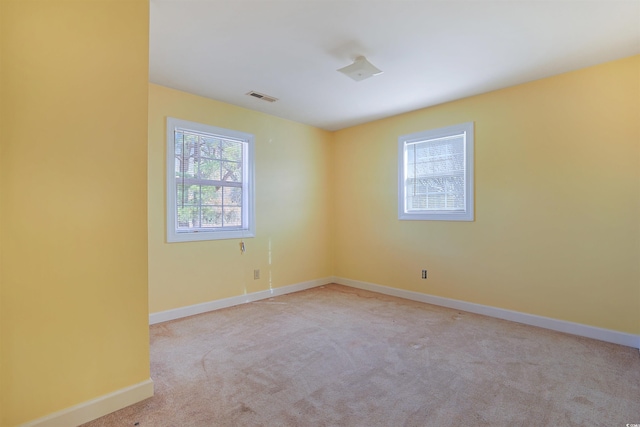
[(430, 51)]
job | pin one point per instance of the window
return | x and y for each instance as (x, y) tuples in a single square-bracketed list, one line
[(436, 174), (209, 182)]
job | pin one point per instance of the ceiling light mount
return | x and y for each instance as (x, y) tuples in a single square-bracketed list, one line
[(360, 69)]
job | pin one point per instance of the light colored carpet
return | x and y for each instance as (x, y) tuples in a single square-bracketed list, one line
[(337, 356)]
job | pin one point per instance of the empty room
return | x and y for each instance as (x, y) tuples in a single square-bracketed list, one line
[(319, 213)]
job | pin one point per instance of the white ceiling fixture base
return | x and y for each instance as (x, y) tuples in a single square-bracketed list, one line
[(360, 69)]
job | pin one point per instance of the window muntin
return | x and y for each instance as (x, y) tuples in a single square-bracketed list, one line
[(209, 182), (436, 174)]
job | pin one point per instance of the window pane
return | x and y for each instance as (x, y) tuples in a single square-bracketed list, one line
[(232, 216), (435, 202), (211, 217), (188, 216), (440, 157), (210, 147), (437, 193), (231, 150), (210, 169), (455, 184), (187, 194), (417, 201), (211, 195), (454, 201), (231, 172), (435, 185), (184, 149), (232, 196)]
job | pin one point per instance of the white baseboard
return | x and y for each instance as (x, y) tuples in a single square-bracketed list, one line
[(178, 313), (96, 408), (607, 335)]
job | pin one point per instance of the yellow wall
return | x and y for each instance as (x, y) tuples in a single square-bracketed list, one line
[(293, 195), (3, 371), (73, 227), (557, 175)]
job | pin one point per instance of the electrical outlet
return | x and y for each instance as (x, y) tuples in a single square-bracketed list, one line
[(256, 274), (424, 274)]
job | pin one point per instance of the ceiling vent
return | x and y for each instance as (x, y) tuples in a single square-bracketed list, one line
[(262, 96)]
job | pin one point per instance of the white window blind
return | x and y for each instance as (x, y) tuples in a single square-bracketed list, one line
[(436, 180), (435, 174)]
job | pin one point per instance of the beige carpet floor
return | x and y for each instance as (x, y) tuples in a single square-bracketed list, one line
[(337, 356)]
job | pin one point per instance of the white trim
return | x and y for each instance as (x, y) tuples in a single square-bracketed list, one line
[(96, 408), (601, 334), (248, 184), (178, 313)]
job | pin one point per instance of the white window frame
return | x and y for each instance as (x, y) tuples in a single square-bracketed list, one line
[(247, 229), (466, 214)]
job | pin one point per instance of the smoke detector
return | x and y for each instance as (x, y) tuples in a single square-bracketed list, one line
[(360, 69)]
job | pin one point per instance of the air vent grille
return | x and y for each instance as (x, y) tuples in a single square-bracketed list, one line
[(262, 96)]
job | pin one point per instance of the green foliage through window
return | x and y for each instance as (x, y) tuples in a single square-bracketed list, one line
[(210, 182), (208, 174)]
